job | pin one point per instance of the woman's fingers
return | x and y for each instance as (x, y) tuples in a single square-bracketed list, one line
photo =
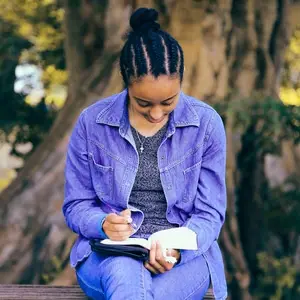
[(117, 219), (116, 227), (150, 268), (157, 260), (118, 236), (119, 227), (161, 259)]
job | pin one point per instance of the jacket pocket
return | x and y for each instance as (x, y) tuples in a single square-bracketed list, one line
[(102, 178), (191, 179)]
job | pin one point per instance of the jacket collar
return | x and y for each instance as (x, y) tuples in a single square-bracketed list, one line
[(116, 113)]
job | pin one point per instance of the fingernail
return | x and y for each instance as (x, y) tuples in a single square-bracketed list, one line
[(129, 220)]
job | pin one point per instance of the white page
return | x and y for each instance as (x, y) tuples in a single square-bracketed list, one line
[(131, 241), (176, 238)]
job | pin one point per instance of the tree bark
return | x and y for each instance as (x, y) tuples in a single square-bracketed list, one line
[(32, 230), (231, 50)]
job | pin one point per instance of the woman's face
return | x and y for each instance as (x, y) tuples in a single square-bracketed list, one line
[(154, 98)]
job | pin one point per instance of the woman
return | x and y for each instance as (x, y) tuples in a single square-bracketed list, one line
[(157, 156)]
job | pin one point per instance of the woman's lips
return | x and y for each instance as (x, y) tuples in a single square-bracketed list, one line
[(155, 120)]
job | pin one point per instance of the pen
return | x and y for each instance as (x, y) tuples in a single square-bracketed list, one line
[(129, 220)]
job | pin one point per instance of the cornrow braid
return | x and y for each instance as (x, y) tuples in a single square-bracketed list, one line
[(149, 50), (181, 63), (124, 68), (156, 52), (173, 50), (133, 61), (146, 56), (140, 59), (166, 56)]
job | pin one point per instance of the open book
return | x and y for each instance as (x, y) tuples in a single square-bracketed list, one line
[(173, 238)]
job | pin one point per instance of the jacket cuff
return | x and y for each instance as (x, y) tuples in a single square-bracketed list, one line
[(101, 231), (187, 255), (202, 241), (137, 217), (93, 227)]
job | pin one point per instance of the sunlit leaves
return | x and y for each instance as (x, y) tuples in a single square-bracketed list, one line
[(34, 36), (52, 74), (290, 95), (35, 20), (290, 90)]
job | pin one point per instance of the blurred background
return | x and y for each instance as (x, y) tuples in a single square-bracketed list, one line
[(241, 56)]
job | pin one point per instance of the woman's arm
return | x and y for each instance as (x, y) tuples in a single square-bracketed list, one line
[(83, 215), (210, 201)]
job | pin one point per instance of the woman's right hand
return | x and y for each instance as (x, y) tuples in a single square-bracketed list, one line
[(117, 227)]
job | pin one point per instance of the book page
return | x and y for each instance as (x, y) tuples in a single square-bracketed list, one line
[(130, 241), (176, 238)]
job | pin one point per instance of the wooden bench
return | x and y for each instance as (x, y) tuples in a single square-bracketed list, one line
[(46, 292)]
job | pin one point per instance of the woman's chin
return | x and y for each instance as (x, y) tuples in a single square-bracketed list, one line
[(153, 121)]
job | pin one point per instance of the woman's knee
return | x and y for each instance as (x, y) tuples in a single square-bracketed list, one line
[(121, 270), (112, 275), (93, 291), (126, 278)]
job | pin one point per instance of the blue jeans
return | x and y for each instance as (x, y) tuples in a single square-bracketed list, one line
[(121, 277)]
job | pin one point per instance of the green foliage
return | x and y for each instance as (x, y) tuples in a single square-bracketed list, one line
[(283, 211), (263, 123), (54, 267), (278, 279), (30, 32), (273, 121), (39, 22), (20, 122)]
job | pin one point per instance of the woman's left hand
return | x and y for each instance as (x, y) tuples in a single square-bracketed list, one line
[(157, 263)]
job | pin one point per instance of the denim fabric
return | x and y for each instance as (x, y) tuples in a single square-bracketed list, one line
[(102, 162), (118, 278)]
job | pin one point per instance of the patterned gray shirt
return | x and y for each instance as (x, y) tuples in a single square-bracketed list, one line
[(147, 193)]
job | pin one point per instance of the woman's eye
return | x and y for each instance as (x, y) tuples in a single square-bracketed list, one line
[(167, 104), (143, 104)]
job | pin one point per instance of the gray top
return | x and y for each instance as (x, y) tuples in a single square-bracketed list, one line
[(147, 193)]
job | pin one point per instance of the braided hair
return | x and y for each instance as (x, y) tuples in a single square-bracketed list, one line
[(149, 50)]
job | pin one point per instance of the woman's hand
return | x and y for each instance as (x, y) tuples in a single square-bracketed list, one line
[(117, 227), (157, 263)]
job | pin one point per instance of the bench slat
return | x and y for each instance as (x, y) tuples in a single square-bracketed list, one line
[(41, 292), (47, 292)]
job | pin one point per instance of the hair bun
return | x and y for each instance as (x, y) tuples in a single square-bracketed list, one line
[(144, 19)]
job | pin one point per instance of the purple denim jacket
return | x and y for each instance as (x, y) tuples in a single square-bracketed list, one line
[(102, 161)]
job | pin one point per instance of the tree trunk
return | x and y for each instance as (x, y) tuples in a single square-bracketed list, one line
[(231, 50)]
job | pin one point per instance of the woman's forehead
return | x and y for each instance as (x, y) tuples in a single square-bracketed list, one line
[(154, 89)]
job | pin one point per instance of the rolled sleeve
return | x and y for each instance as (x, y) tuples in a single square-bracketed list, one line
[(210, 201), (81, 211)]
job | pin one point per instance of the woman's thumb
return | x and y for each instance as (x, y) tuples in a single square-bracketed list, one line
[(126, 213)]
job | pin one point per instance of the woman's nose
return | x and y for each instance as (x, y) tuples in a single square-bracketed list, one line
[(156, 113)]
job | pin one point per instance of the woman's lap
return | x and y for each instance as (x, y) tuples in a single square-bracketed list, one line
[(125, 278)]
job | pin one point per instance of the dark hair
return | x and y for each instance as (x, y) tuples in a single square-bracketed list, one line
[(149, 50)]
